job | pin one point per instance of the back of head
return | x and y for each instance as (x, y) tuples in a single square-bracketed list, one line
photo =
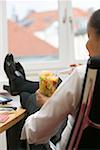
[(95, 21)]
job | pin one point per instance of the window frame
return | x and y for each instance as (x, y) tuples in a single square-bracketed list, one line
[(3, 38), (66, 44)]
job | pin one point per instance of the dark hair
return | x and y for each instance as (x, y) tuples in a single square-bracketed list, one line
[(95, 21)]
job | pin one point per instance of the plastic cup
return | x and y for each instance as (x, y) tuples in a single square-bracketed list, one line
[(48, 83)]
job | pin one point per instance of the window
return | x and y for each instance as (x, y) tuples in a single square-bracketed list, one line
[(3, 38), (30, 30), (36, 33)]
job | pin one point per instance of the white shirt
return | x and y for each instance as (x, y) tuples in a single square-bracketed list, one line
[(42, 125)]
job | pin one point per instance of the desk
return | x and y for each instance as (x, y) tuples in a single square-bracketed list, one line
[(7, 141), (10, 130), (14, 118)]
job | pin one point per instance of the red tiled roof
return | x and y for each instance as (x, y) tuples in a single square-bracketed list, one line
[(42, 20), (21, 42), (80, 13)]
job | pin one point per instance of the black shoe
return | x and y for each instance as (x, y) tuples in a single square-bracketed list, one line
[(16, 79), (9, 68), (20, 69), (9, 59), (7, 62)]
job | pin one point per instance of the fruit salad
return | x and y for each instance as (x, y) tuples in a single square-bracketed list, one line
[(48, 83)]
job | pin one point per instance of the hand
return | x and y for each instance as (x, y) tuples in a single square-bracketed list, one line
[(40, 98)]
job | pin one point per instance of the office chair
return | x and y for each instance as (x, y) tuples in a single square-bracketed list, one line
[(85, 133)]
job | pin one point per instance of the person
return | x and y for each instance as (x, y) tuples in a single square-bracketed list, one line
[(16, 75), (40, 126)]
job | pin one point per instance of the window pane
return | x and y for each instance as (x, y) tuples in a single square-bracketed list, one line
[(33, 29), (81, 13)]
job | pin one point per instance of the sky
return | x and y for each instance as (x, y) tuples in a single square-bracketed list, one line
[(86, 3), (22, 6)]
